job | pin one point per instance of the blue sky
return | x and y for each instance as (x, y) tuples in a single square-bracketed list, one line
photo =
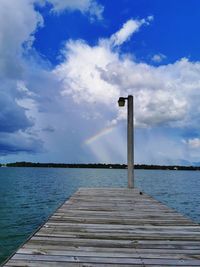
[(64, 64)]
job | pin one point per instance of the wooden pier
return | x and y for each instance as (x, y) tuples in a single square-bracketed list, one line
[(112, 227)]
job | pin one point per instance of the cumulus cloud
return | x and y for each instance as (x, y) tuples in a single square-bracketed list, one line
[(81, 75), (82, 71), (160, 95), (28, 87), (99, 74), (90, 7), (18, 22)]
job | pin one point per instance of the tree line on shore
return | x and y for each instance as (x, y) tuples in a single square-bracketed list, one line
[(98, 165)]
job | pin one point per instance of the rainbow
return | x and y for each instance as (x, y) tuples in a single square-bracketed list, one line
[(98, 135)]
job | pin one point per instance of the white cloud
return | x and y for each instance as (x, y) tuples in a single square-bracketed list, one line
[(90, 7), (84, 66), (29, 91), (81, 75), (127, 30), (18, 22), (157, 58), (97, 74), (160, 94)]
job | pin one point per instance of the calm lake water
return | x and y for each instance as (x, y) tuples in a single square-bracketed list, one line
[(29, 195)]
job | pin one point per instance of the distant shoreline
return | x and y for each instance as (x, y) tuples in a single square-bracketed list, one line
[(100, 166)]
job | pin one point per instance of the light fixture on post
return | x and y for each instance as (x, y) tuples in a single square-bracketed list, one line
[(130, 137), (121, 101)]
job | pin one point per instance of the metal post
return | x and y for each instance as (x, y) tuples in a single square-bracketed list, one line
[(130, 143)]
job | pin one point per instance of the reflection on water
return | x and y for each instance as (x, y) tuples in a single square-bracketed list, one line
[(29, 195)]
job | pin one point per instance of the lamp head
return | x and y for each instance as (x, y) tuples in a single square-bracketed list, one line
[(121, 102)]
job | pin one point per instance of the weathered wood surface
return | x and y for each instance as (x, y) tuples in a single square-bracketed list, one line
[(112, 227)]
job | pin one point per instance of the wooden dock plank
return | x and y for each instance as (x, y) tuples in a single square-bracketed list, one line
[(112, 227)]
